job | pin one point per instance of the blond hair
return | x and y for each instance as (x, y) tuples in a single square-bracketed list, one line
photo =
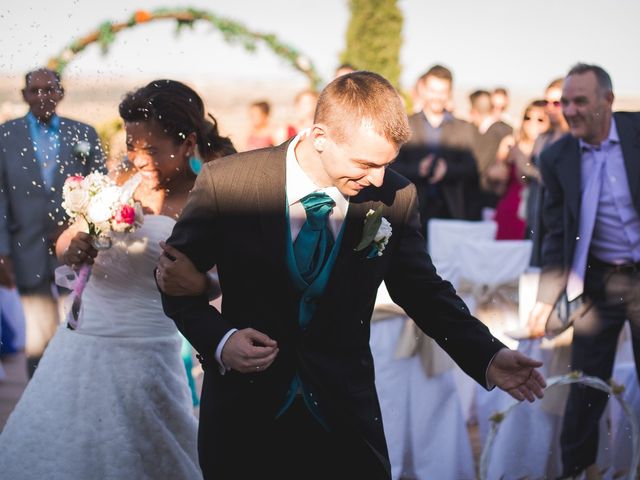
[(363, 97)]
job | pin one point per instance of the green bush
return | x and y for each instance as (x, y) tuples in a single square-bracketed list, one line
[(374, 38)]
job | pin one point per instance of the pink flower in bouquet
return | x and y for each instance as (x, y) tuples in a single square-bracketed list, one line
[(124, 218), (126, 214), (74, 179)]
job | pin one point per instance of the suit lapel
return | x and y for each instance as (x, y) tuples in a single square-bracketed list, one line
[(271, 189), (630, 144), (354, 223), (66, 158), (570, 170), (353, 226)]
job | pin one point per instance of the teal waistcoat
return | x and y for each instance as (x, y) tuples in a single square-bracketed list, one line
[(306, 308)]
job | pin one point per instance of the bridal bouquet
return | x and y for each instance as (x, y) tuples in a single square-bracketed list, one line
[(105, 207)]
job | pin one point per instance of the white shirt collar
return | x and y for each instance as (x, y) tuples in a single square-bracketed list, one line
[(298, 183)]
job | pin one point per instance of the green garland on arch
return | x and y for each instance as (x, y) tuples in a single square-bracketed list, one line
[(232, 32)]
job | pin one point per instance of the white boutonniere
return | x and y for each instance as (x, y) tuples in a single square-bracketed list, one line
[(82, 149), (375, 234)]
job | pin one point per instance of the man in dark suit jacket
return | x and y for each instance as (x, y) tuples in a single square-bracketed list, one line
[(592, 244), (289, 381), (37, 153), (439, 158)]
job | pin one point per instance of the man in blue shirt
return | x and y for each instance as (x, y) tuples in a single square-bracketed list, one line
[(37, 153)]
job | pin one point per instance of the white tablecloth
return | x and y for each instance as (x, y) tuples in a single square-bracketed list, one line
[(423, 422), (422, 415)]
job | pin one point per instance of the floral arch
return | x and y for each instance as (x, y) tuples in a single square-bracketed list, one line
[(232, 32)]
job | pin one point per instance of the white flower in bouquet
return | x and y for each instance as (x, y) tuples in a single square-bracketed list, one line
[(95, 182), (76, 197), (102, 205)]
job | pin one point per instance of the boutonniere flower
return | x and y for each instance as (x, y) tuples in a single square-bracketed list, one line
[(375, 234), (82, 148)]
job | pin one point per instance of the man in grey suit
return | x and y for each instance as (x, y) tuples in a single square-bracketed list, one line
[(37, 153)]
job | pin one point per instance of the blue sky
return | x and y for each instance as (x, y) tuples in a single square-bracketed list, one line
[(485, 42)]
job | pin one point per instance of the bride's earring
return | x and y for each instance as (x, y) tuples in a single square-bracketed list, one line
[(318, 144), (195, 164)]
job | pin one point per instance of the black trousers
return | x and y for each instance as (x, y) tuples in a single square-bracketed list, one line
[(297, 447), (616, 297)]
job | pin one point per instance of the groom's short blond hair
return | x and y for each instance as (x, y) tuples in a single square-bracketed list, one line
[(363, 97)]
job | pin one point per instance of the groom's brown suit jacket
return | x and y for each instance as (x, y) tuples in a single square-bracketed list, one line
[(236, 219)]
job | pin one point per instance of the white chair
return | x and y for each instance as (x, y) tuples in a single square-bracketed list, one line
[(490, 272), (423, 422), (446, 237), (487, 274)]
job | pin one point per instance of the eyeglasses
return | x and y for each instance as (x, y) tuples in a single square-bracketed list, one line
[(539, 119), (555, 103), (42, 91)]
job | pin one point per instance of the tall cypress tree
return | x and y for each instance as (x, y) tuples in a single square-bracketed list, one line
[(374, 37)]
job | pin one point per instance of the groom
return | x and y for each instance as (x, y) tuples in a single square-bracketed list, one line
[(289, 385)]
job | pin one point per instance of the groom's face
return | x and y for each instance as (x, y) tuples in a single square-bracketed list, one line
[(358, 159)]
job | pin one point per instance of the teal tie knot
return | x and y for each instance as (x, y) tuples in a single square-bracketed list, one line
[(313, 244), (318, 206)]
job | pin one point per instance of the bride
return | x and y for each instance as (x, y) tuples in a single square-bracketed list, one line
[(110, 399)]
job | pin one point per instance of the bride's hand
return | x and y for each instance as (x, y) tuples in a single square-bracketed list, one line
[(177, 275), (80, 250)]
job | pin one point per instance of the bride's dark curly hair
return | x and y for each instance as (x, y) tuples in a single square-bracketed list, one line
[(179, 110)]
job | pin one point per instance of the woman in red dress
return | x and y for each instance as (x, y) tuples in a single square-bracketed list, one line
[(514, 154)]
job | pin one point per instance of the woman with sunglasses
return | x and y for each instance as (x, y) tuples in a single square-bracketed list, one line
[(514, 156)]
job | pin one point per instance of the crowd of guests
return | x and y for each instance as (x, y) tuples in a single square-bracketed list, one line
[(480, 165), (487, 167)]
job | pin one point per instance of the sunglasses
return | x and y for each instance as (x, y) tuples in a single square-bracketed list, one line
[(528, 118), (555, 103)]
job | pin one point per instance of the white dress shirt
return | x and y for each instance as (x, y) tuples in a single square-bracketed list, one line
[(298, 186)]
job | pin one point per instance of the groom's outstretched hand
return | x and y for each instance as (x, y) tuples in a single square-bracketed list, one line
[(249, 351), (516, 374)]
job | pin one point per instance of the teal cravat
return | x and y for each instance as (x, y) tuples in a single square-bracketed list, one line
[(313, 244)]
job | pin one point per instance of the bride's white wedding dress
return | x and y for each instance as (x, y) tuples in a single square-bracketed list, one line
[(109, 400)]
